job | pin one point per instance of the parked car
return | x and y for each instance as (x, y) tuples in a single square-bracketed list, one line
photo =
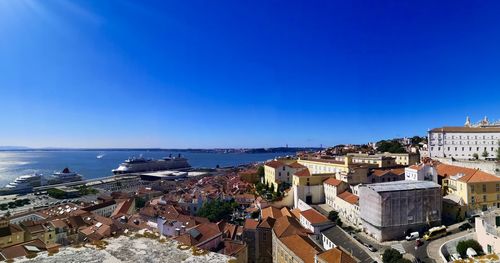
[(465, 226), (371, 248), (412, 235)]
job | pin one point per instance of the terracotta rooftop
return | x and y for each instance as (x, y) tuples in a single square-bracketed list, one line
[(200, 234), (332, 181), (469, 175), (304, 172), (302, 247), (285, 226), (349, 197), (296, 165), (337, 255), (275, 212), (274, 164), (267, 222), (314, 217), (251, 223)]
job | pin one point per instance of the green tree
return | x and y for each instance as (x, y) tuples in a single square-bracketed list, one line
[(475, 156), (255, 214), (260, 171), (271, 188), (56, 193), (333, 215), (463, 245), (217, 210), (140, 202), (485, 154), (391, 256), (391, 146)]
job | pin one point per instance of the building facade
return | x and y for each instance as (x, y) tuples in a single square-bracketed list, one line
[(277, 172), (480, 140), (487, 231), (388, 210)]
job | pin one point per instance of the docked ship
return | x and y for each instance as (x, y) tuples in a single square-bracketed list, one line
[(65, 176), (23, 184), (137, 165)]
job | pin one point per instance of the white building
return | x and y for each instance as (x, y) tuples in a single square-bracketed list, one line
[(421, 172), (487, 231), (315, 222), (333, 187), (464, 142)]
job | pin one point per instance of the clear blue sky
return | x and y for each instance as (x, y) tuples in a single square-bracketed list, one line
[(242, 73)]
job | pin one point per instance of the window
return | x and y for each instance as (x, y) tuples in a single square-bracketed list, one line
[(472, 199), (472, 189), (484, 188), (498, 187), (484, 198)]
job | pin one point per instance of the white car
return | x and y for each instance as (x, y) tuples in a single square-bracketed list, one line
[(413, 235)]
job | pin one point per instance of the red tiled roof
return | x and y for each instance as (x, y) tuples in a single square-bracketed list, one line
[(274, 164), (251, 223), (304, 172), (349, 197), (469, 175), (314, 217), (302, 247), (332, 181), (336, 255), (296, 165), (285, 226)]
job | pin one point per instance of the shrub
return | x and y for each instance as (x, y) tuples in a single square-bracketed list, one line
[(463, 245), (391, 256)]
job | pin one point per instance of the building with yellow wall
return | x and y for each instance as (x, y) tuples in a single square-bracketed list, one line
[(10, 234), (346, 170), (277, 172), (476, 190)]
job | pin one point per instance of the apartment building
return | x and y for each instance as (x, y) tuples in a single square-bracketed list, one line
[(479, 139), (476, 190)]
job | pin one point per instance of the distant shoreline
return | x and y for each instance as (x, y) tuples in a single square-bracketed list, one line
[(217, 150)]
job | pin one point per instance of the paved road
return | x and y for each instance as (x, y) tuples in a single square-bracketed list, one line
[(344, 240), (433, 247)]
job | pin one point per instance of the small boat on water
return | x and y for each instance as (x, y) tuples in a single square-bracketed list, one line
[(100, 156)]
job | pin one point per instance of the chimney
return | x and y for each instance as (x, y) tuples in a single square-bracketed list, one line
[(177, 232), (183, 229)]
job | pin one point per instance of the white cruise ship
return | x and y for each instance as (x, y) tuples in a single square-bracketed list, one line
[(24, 184), (137, 165), (65, 176)]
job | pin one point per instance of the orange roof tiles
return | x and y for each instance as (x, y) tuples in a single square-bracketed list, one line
[(469, 175), (349, 197), (332, 181), (302, 247), (296, 165), (314, 217), (251, 223), (274, 164), (304, 172), (336, 255), (271, 211), (285, 226)]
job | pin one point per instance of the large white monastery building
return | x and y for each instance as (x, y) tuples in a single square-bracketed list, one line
[(481, 138)]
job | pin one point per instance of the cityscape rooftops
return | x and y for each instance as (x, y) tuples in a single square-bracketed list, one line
[(332, 181), (337, 255), (349, 197)]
